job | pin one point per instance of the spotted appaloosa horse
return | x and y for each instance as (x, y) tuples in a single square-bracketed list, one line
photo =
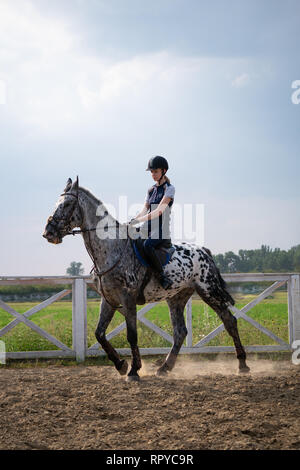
[(191, 268)]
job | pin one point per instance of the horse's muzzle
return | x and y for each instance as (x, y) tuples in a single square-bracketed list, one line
[(51, 236)]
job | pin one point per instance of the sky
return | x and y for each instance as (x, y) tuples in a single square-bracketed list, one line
[(96, 87)]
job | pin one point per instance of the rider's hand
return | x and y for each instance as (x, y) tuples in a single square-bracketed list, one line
[(134, 221)]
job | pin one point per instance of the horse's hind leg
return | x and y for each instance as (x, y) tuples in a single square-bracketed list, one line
[(106, 314), (230, 324), (176, 306)]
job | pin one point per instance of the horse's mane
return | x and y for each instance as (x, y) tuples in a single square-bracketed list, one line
[(96, 200), (89, 194)]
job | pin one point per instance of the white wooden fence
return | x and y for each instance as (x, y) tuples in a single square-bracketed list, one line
[(79, 350)]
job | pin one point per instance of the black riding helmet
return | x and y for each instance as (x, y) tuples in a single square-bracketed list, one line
[(157, 162)]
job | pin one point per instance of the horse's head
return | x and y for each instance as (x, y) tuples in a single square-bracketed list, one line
[(67, 214)]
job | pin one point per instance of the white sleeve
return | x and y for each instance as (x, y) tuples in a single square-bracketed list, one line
[(170, 191)]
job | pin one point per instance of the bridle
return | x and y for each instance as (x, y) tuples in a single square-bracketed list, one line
[(55, 223)]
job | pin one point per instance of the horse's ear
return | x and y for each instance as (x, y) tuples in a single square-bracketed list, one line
[(75, 185), (68, 185)]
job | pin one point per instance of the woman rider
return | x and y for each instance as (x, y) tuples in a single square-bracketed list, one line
[(156, 215)]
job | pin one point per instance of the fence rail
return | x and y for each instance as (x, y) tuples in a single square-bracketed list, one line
[(80, 350)]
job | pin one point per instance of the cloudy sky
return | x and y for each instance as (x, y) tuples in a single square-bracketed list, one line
[(96, 87)]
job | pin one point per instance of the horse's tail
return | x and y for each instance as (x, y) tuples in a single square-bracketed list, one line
[(221, 288)]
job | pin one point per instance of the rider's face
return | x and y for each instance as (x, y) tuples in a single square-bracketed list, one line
[(156, 174)]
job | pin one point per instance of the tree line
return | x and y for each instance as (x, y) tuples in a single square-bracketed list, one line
[(263, 260)]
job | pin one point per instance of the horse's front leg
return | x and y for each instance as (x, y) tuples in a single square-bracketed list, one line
[(106, 314), (136, 364)]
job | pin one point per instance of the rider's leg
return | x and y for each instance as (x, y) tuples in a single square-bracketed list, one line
[(154, 261)]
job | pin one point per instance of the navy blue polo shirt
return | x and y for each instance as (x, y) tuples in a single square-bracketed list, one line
[(159, 228)]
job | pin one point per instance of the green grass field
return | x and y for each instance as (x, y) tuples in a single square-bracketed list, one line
[(57, 320)]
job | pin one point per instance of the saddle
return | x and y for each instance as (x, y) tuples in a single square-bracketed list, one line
[(164, 251)]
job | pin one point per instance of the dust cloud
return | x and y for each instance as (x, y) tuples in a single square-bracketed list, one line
[(186, 368)]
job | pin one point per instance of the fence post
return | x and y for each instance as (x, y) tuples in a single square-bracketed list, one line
[(189, 338), (295, 306), (79, 319)]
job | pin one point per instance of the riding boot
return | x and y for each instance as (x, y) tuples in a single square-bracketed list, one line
[(155, 264)]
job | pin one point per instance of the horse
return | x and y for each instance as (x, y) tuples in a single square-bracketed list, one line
[(191, 269)]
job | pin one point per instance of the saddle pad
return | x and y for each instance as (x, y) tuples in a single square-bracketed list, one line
[(163, 252)]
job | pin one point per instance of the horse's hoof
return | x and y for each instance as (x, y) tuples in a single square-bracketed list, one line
[(132, 378), (124, 367), (244, 370), (162, 372)]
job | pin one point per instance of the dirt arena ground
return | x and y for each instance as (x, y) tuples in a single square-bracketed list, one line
[(201, 405)]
